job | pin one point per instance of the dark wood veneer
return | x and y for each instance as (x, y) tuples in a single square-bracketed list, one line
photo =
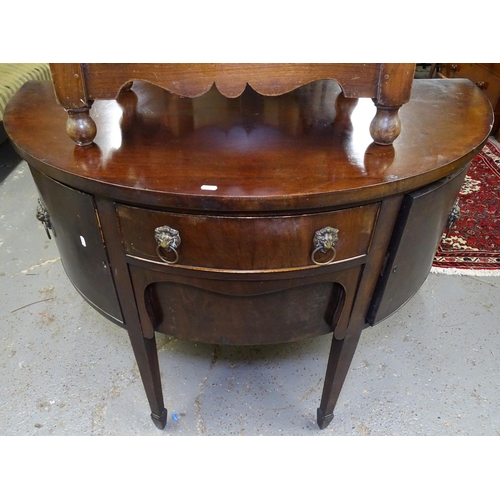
[(247, 243)]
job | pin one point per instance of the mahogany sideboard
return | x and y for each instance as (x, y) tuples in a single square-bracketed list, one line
[(248, 220)]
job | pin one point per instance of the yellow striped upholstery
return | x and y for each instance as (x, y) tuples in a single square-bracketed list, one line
[(13, 76)]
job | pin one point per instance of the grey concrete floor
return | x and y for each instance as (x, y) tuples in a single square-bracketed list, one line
[(432, 369)]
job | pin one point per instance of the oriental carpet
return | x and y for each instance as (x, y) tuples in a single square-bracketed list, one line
[(472, 246)]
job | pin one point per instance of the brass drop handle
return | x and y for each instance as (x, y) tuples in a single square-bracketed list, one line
[(167, 240), (43, 216), (324, 241), (481, 85), (453, 216)]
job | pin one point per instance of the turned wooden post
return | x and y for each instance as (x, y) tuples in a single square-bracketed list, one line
[(394, 88), (71, 94)]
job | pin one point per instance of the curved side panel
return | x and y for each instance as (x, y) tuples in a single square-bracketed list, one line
[(414, 243), (76, 232)]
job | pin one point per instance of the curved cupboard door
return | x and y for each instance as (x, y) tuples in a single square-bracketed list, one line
[(414, 243), (75, 229)]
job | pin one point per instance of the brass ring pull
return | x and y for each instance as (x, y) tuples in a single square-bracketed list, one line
[(167, 239), (158, 250), (325, 240), (323, 263)]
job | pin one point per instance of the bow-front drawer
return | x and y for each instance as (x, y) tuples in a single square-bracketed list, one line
[(247, 243)]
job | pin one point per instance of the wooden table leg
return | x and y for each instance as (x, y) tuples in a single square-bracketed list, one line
[(144, 346), (342, 351), (146, 355), (142, 337), (341, 354)]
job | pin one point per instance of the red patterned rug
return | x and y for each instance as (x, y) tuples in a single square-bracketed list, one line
[(473, 245)]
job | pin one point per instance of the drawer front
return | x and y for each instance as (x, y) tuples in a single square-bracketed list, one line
[(247, 243)]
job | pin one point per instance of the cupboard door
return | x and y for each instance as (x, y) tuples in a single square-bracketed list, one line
[(414, 243), (75, 228)]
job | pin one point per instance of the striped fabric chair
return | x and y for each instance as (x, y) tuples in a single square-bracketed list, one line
[(12, 78)]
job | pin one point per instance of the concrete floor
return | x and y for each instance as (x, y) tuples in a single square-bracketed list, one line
[(433, 368)]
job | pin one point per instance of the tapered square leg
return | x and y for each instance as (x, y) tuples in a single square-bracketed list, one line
[(341, 354), (146, 356), (160, 420), (322, 419)]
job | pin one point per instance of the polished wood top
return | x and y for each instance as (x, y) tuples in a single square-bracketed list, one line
[(302, 150)]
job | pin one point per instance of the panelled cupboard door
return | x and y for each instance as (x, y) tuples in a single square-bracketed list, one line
[(419, 228), (75, 229)]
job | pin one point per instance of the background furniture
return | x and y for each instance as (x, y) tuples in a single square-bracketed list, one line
[(78, 85), (250, 220), (485, 75)]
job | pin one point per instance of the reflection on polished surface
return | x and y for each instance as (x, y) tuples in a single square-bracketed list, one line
[(310, 143), (316, 118)]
